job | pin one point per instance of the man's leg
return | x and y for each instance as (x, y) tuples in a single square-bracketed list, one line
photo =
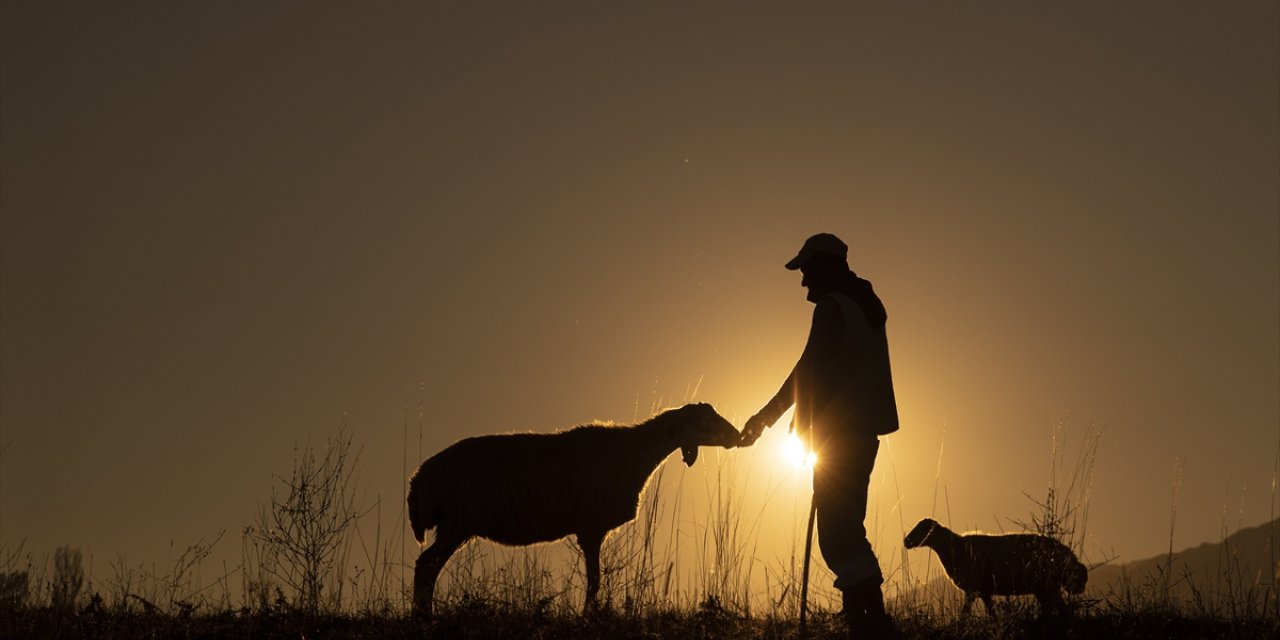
[(841, 481)]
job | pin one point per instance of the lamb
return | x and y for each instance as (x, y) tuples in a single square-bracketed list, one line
[(983, 565), (526, 488)]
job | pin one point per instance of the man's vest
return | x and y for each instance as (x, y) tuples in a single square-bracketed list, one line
[(859, 388)]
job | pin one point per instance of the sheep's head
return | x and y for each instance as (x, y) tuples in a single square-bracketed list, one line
[(700, 426), (1077, 576), (920, 533)]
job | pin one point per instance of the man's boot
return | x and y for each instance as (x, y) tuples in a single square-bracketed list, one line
[(864, 613), (854, 613)]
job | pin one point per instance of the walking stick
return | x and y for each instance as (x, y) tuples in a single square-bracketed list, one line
[(804, 580)]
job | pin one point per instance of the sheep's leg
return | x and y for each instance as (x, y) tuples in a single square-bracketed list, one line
[(590, 543), (969, 597), (1051, 602), (427, 569), (990, 606)]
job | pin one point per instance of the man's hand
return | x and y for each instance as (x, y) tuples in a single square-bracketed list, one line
[(752, 430)]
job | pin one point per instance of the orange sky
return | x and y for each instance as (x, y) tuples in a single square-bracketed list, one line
[(225, 227)]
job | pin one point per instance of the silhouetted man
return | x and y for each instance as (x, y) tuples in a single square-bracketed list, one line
[(843, 393)]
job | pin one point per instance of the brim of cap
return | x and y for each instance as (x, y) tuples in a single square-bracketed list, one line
[(798, 261)]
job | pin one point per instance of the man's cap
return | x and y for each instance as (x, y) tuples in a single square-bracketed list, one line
[(819, 243)]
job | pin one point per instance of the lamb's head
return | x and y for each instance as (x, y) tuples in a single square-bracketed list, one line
[(698, 425), (1077, 575), (920, 533)]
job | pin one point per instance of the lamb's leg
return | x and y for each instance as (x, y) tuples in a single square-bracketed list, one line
[(590, 543), (427, 569), (1051, 602), (990, 606), (969, 596)]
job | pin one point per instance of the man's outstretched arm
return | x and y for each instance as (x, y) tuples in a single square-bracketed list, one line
[(824, 343), (769, 414)]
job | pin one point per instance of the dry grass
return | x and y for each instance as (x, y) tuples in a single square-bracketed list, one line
[(536, 592)]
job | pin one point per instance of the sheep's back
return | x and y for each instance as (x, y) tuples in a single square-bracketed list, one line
[(1013, 564), (526, 488)]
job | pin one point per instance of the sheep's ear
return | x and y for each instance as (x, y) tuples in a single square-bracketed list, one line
[(690, 454)]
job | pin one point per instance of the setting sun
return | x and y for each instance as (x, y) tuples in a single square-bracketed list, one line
[(796, 453)]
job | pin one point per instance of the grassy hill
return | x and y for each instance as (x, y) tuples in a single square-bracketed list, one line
[(1230, 578)]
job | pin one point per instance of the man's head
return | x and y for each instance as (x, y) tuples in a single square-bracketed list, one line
[(823, 260), (823, 246)]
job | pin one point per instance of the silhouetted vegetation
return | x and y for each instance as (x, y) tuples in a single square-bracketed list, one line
[(68, 578), (302, 539), (477, 618), (297, 580)]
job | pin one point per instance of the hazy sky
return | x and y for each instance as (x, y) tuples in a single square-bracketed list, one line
[(227, 227)]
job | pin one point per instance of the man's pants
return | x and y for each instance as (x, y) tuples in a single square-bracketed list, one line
[(840, 483)]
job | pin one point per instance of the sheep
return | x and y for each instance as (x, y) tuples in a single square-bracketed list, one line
[(527, 488), (983, 565)]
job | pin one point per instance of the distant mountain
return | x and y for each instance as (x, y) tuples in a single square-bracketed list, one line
[(1241, 570)]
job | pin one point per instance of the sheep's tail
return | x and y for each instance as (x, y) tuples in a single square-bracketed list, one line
[(1077, 576), (422, 506)]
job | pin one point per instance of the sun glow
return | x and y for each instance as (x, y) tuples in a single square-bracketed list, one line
[(796, 453)]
